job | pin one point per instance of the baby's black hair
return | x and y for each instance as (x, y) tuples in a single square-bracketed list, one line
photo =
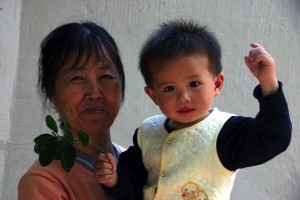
[(179, 38)]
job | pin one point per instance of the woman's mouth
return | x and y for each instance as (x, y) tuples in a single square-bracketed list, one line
[(95, 110)]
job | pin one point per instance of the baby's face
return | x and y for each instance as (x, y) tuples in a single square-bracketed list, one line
[(184, 88)]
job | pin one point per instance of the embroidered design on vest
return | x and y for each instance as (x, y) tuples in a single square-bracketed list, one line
[(191, 191)]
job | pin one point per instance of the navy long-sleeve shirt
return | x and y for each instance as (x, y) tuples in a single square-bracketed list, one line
[(242, 142)]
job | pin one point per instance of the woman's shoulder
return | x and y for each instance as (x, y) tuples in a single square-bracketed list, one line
[(51, 173), (37, 172), (37, 180), (52, 181)]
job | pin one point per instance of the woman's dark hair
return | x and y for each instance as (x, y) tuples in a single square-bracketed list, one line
[(179, 38), (74, 40)]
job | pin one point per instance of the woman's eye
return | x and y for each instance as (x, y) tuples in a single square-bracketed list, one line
[(168, 89), (194, 84), (106, 76), (77, 78)]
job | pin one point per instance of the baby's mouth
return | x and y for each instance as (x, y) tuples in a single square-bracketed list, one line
[(185, 110)]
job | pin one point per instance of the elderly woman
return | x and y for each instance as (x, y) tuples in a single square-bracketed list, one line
[(81, 75)]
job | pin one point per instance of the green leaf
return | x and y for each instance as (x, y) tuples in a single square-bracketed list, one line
[(46, 156), (40, 148), (51, 123), (60, 147), (37, 148), (68, 158), (83, 138), (44, 138), (69, 136), (53, 146)]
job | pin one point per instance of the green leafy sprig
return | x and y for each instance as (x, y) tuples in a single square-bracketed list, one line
[(59, 147)]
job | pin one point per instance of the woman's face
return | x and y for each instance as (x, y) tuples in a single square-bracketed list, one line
[(89, 95)]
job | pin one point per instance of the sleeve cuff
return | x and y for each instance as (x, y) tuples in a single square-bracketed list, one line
[(269, 102), (118, 189)]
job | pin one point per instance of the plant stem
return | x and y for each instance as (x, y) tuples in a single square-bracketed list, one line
[(98, 147)]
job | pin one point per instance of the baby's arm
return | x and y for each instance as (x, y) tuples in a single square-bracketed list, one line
[(105, 170), (262, 66)]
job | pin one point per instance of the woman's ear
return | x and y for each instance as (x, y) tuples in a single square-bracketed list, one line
[(150, 92), (52, 100), (219, 82)]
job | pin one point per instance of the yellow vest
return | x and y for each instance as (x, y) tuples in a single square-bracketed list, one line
[(184, 164)]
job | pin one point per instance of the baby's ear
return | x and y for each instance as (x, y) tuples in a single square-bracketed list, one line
[(219, 82), (150, 92)]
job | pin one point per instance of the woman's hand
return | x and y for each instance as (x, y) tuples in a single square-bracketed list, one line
[(105, 168)]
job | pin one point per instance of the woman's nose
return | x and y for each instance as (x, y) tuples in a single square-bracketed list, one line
[(93, 89), (183, 97)]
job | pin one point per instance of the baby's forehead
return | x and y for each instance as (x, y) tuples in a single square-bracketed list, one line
[(161, 62)]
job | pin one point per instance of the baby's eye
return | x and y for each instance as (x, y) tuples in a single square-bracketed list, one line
[(194, 84), (168, 89)]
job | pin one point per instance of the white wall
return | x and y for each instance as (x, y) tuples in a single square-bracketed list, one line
[(9, 41), (275, 24)]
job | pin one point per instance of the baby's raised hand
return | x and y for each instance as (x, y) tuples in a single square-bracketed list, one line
[(262, 66), (105, 170)]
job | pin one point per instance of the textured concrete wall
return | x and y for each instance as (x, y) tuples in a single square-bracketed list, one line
[(9, 40), (275, 24)]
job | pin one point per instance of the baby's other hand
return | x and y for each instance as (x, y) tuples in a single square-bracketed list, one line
[(105, 170)]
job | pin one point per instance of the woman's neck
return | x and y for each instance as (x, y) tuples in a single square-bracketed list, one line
[(96, 142)]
